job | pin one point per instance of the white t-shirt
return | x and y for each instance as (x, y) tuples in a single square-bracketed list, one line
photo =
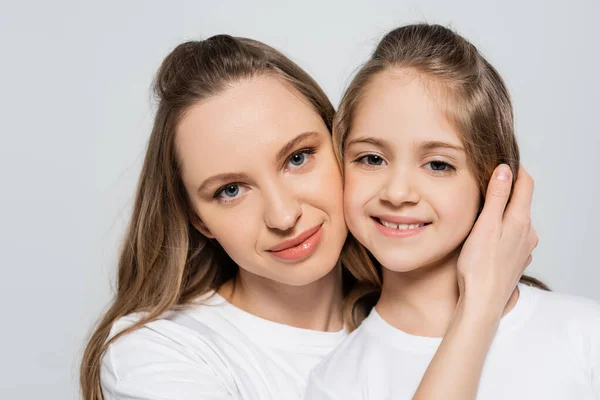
[(209, 352), (546, 347)]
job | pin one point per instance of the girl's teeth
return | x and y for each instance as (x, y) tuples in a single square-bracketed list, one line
[(389, 224), (400, 226)]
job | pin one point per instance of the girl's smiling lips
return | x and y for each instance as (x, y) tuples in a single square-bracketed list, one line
[(399, 226)]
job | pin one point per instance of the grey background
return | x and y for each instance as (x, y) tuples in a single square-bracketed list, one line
[(76, 114)]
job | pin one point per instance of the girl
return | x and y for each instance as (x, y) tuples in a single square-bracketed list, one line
[(230, 281), (420, 130)]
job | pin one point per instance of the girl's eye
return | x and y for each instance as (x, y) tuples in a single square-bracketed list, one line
[(300, 158), (371, 159), (439, 166), (229, 192)]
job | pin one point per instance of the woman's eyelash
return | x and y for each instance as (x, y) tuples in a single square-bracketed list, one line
[(309, 151), (223, 188), (306, 151)]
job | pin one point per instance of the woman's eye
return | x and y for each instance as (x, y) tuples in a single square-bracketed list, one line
[(439, 166), (229, 192), (372, 159), (297, 159), (300, 158)]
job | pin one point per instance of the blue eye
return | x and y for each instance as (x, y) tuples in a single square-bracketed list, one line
[(297, 159), (300, 158), (231, 190), (372, 159), (228, 192)]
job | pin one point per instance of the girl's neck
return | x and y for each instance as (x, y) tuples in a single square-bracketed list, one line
[(421, 302), (316, 306)]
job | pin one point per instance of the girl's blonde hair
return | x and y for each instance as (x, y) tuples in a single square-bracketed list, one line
[(472, 95), (164, 261)]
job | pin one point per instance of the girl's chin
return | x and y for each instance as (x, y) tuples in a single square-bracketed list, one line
[(406, 265), (401, 268)]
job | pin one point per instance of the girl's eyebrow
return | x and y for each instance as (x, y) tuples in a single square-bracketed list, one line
[(426, 145), (434, 145), (381, 143)]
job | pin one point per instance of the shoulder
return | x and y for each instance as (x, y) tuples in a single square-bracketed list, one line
[(340, 369), (160, 355), (155, 338), (566, 308), (571, 318)]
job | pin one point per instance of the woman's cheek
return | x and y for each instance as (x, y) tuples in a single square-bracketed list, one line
[(236, 223)]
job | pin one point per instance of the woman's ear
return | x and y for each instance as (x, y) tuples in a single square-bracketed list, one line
[(200, 225)]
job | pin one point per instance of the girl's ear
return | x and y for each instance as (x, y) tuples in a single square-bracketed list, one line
[(200, 225)]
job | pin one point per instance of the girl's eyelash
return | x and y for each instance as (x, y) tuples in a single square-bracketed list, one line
[(449, 167), (361, 160), (362, 157)]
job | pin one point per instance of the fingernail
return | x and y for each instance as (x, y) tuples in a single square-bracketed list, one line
[(503, 173)]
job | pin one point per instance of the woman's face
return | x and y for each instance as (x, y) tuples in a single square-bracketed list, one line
[(410, 196), (258, 165)]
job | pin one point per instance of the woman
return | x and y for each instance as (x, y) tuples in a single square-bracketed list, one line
[(236, 264)]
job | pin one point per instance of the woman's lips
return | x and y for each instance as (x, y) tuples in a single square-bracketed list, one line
[(300, 247)]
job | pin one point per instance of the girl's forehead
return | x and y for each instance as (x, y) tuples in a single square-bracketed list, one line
[(401, 109)]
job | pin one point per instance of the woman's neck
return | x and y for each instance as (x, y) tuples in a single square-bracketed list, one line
[(316, 306)]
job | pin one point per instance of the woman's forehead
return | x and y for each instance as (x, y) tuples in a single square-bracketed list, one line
[(247, 123)]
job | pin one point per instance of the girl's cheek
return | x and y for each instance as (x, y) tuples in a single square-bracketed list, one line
[(468, 198), (355, 198)]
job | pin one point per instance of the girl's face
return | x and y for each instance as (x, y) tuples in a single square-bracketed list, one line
[(258, 165), (410, 197)]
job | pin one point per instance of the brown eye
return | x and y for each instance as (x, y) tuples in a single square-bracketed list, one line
[(372, 159), (439, 166)]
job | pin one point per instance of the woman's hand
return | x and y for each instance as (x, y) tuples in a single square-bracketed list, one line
[(491, 263), (499, 247)]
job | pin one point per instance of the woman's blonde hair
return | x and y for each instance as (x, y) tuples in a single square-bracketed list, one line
[(164, 261), (472, 94)]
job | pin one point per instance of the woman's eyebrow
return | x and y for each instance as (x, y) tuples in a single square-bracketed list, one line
[(222, 179), (240, 176), (289, 146)]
